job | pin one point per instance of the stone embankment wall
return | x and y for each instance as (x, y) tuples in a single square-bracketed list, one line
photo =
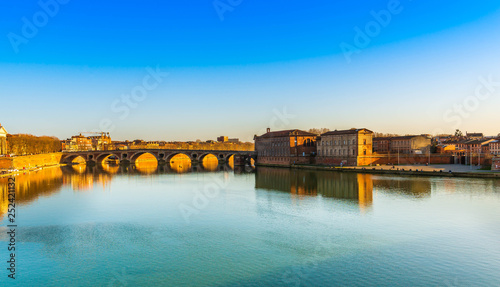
[(30, 161)]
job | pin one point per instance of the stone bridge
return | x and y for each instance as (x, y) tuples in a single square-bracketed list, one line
[(161, 155)]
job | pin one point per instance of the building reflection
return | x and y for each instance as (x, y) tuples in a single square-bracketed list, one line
[(350, 186), (418, 187)]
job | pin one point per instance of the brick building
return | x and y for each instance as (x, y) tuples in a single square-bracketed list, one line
[(474, 136), (494, 147), (224, 139), (381, 144), (495, 166), (415, 144), (475, 146), (285, 147), (102, 142), (3, 140), (77, 143), (344, 147)]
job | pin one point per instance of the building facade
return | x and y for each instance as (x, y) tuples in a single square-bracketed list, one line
[(381, 144), (474, 136), (417, 144), (102, 142), (77, 143), (494, 147), (344, 147), (285, 147), (3, 140), (495, 166)]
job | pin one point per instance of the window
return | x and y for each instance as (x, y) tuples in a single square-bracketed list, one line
[(364, 141)]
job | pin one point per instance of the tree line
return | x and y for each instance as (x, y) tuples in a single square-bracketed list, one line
[(24, 144)]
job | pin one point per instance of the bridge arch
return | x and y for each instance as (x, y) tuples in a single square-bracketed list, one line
[(169, 156), (133, 158), (204, 155), (71, 158), (100, 158)]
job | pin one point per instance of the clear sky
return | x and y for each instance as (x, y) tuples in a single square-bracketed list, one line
[(187, 70)]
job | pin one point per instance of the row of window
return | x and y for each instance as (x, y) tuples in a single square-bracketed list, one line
[(339, 142), (323, 143), (334, 152), (281, 151)]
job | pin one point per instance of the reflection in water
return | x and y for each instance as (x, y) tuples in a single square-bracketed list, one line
[(110, 167), (146, 164), (326, 183), (210, 163), (30, 186), (230, 162), (180, 163), (418, 187)]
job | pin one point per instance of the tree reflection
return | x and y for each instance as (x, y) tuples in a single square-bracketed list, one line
[(30, 186)]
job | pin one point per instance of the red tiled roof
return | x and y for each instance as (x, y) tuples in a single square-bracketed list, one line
[(286, 133), (345, 132)]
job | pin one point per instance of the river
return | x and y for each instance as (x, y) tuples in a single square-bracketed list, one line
[(213, 225)]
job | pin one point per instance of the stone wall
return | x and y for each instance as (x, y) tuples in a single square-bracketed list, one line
[(30, 161), (404, 159)]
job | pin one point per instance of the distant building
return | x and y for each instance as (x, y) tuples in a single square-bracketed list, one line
[(415, 144), (285, 147), (102, 142), (3, 140), (445, 148), (482, 146), (344, 147), (222, 139), (494, 147), (77, 143), (476, 136)]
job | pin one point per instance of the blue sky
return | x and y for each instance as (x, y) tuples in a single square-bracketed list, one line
[(237, 70)]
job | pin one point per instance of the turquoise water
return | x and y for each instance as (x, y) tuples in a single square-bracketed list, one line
[(271, 227)]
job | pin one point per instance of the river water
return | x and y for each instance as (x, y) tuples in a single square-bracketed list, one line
[(216, 226)]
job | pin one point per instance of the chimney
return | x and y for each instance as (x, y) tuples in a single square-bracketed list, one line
[(268, 130)]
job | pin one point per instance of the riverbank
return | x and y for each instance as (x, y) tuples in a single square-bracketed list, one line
[(416, 170), (22, 171), (21, 164)]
